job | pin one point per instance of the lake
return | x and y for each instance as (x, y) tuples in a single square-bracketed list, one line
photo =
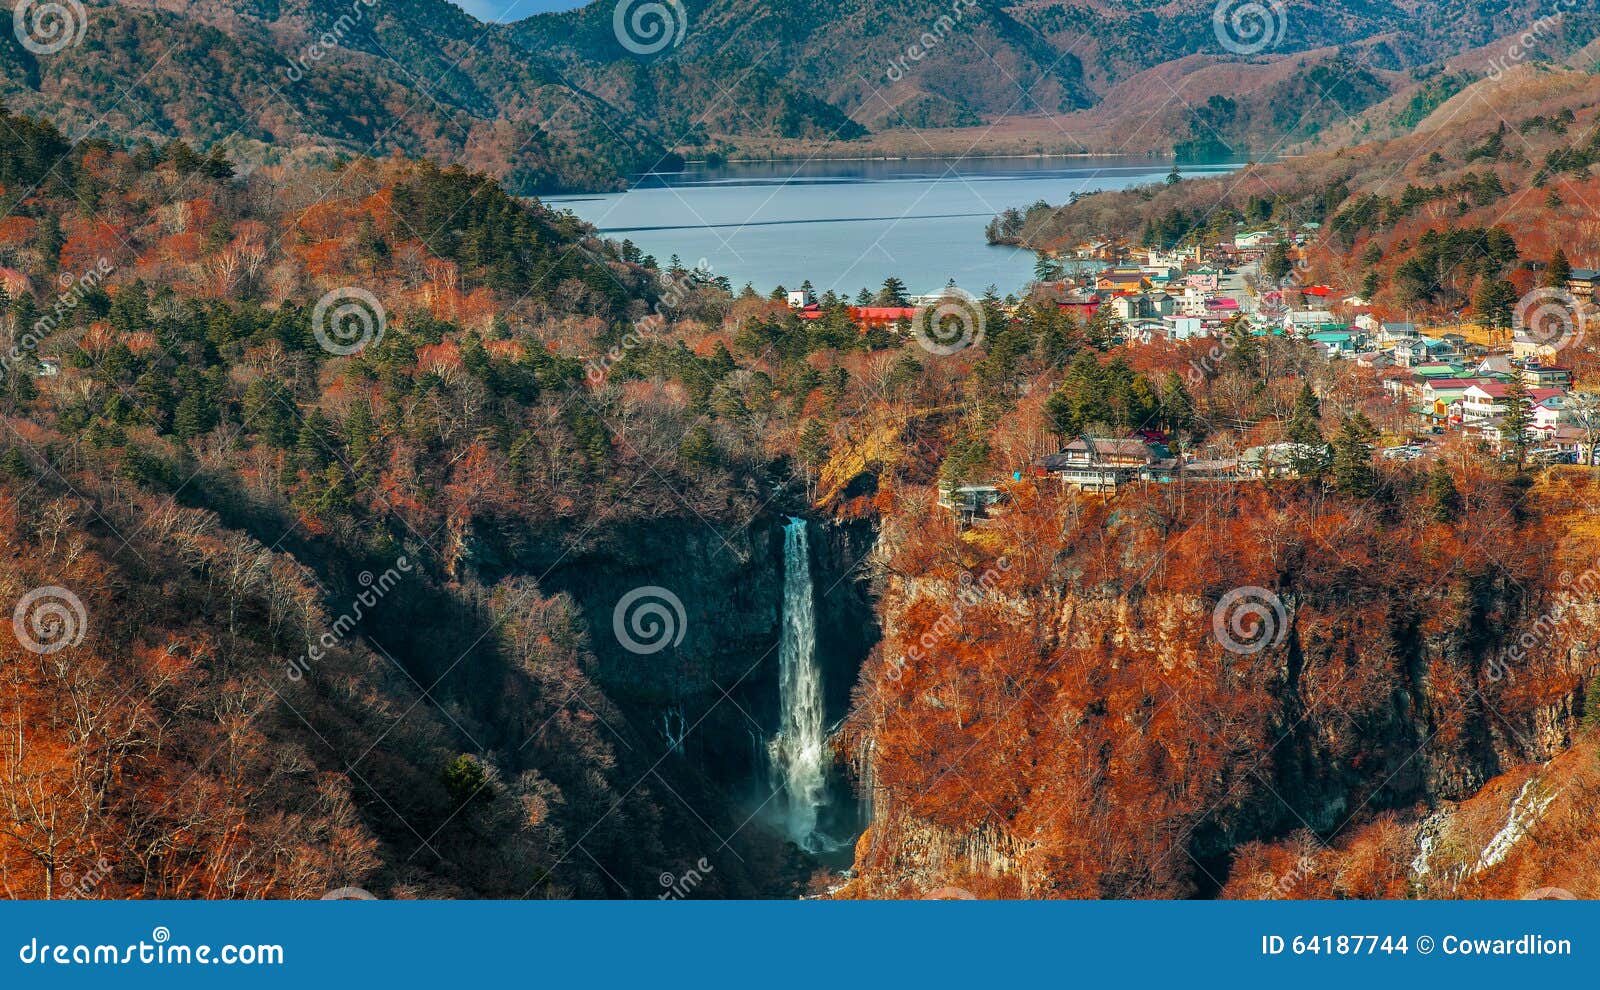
[(850, 225)]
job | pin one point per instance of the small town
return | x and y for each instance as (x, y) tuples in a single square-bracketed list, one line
[(1498, 381)]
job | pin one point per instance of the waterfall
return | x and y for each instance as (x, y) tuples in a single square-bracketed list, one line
[(799, 750), (674, 728)]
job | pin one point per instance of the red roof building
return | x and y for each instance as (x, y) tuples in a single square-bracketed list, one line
[(882, 316), (1083, 309)]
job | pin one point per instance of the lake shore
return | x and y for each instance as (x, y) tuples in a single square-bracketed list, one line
[(847, 225)]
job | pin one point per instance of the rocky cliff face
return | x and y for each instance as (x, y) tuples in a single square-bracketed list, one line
[(1090, 701), (696, 678)]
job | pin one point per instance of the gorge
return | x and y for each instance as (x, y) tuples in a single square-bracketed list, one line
[(778, 619)]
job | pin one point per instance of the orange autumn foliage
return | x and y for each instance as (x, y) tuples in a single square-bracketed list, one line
[(1054, 683)]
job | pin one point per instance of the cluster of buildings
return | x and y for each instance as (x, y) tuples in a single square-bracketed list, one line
[(1100, 465), (1171, 295), (1446, 381), (1476, 396), (1449, 383)]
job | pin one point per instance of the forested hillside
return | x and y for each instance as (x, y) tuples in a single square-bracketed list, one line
[(1433, 222), (588, 99), (311, 80), (322, 484), (258, 435), (1126, 77)]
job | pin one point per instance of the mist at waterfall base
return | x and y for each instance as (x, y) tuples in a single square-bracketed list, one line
[(805, 798)]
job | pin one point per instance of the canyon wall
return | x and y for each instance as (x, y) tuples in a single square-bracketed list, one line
[(1107, 699)]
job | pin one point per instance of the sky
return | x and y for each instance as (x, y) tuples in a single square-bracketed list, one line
[(513, 10)]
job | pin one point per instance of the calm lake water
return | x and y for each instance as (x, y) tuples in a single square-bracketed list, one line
[(849, 225)]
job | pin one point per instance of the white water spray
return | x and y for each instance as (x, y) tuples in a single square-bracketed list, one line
[(799, 750)]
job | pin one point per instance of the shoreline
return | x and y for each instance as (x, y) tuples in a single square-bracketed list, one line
[(702, 163), (820, 159)]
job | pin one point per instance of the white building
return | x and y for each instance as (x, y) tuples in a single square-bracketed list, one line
[(1184, 327), (1305, 320)]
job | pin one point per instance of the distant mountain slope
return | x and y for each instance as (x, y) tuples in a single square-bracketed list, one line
[(1506, 166), (305, 78), (845, 52), (951, 63), (588, 98)]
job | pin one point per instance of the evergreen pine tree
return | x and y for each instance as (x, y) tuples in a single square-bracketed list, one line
[(1353, 473), (1444, 500), (1517, 420), (1560, 271), (1310, 455)]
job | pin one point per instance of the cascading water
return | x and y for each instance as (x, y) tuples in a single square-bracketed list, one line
[(799, 750)]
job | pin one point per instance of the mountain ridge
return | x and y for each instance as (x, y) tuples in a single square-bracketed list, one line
[(575, 102)]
